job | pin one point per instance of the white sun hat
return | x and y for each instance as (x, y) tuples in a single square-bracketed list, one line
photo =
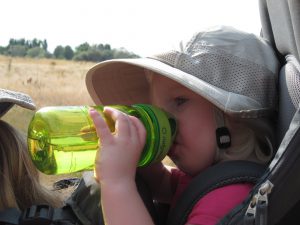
[(234, 70)]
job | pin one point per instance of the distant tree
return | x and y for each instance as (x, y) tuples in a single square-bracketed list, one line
[(107, 54), (69, 53), (107, 47), (48, 55), (21, 41), (99, 47), (28, 44), (81, 56), (45, 45), (35, 43), (38, 48), (36, 52), (12, 42), (17, 50), (3, 50), (82, 48), (94, 55), (59, 52), (123, 53)]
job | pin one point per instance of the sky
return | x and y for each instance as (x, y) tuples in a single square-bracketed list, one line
[(144, 27)]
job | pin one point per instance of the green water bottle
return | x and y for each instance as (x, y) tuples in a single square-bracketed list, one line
[(63, 139)]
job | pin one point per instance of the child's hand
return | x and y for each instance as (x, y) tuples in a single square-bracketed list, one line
[(119, 151)]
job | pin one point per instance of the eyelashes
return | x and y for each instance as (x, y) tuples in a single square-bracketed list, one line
[(180, 101)]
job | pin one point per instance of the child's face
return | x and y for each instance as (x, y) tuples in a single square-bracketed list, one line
[(195, 145)]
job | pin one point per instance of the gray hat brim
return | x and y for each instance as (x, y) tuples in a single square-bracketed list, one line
[(123, 81), (9, 98)]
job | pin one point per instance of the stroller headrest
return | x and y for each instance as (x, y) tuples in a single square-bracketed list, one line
[(281, 25)]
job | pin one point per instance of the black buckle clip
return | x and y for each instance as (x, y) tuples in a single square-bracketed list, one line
[(37, 215)]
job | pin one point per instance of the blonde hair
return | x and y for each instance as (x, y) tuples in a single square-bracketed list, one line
[(246, 143), (19, 187)]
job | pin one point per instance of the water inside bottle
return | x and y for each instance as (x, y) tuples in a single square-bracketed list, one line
[(63, 154), (62, 140)]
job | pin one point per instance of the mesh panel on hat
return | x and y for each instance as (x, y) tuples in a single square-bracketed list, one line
[(169, 57), (293, 82), (226, 71)]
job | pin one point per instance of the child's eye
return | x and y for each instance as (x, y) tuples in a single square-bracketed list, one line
[(180, 100)]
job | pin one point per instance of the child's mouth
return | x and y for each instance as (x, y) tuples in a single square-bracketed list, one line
[(172, 151)]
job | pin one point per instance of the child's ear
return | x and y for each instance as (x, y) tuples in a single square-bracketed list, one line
[(223, 137)]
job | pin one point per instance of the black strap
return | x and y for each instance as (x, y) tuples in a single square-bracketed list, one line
[(46, 215), (10, 216), (39, 215), (219, 175)]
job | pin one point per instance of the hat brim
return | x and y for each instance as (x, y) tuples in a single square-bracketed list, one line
[(9, 98), (123, 81)]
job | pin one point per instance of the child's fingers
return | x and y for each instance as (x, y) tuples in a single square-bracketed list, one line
[(129, 125), (100, 125), (140, 128), (122, 123)]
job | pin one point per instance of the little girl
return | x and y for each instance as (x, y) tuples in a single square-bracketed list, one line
[(221, 89)]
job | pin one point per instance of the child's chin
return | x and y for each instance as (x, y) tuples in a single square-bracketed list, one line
[(172, 153)]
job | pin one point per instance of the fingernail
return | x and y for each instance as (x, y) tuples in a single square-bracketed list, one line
[(92, 110)]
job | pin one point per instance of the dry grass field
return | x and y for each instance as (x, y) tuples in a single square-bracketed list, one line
[(50, 83)]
